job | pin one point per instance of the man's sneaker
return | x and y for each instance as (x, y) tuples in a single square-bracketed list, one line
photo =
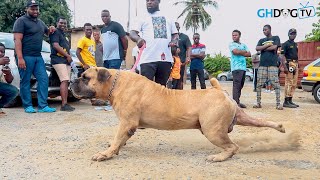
[(242, 105), (67, 108), (279, 107), (29, 109), (267, 91), (47, 109)]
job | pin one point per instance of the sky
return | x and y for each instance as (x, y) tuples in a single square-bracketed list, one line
[(230, 15)]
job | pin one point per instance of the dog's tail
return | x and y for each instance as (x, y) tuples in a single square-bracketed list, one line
[(244, 119), (215, 83)]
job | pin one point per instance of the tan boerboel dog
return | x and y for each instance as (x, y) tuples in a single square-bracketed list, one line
[(139, 102)]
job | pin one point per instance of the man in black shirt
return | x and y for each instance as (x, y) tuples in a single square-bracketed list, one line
[(61, 59), (268, 68), (28, 36), (185, 52), (290, 54)]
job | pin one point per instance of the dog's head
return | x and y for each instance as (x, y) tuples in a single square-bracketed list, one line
[(92, 84)]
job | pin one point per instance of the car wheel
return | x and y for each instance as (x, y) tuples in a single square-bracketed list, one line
[(247, 78), (223, 78), (316, 93)]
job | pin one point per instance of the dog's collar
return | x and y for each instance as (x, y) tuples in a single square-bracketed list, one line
[(113, 84)]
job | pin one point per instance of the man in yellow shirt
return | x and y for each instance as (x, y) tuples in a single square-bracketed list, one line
[(86, 48)]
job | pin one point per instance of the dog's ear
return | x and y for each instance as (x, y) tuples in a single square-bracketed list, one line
[(103, 75)]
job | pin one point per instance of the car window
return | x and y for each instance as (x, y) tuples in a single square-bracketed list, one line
[(7, 40), (317, 64)]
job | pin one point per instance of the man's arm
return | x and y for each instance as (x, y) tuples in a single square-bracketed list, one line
[(272, 48), (263, 47), (7, 75), (18, 48), (241, 52), (85, 66), (136, 38), (61, 51)]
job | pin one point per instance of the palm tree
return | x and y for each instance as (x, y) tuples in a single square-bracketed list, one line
[(196, 14)]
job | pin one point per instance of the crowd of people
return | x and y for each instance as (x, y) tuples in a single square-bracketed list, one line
[(164, 53)]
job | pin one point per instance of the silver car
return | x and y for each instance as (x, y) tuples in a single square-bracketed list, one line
[(227, 76), (54, 82)]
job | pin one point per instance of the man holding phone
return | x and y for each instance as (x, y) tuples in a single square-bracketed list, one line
[(7, 91)]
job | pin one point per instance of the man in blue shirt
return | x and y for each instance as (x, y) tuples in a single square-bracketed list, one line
[(198, 53), (239, 52)]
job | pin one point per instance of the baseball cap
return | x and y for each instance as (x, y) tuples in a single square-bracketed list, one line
[(292, 31), (31, 3)]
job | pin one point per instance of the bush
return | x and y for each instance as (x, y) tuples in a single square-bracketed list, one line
[(217, 63), (249, 62), (215, 74)]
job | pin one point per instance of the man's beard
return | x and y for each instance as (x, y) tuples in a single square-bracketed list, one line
[(152, 10)]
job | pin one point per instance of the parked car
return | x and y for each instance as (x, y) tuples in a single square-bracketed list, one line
[(206, 74), (311, 79), (54, 82), (227, 76)]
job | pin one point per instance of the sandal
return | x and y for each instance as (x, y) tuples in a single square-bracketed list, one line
[(257, 106)]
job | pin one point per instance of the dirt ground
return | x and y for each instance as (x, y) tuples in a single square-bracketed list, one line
[(60, 145)]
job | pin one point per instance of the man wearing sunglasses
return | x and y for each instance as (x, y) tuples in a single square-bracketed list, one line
[(289, 52)]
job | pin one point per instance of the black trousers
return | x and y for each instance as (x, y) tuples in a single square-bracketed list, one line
[(255, 78), (157, 71), (238, 82), (200, 73), (180, 81)]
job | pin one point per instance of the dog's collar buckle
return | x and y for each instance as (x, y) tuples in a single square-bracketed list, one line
[(113, 84)]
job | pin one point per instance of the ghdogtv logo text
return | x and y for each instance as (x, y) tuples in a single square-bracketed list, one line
[(303, 12)]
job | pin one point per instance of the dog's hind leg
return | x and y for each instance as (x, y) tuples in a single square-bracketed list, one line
[(220, 138), (125, 131), (246, 120)]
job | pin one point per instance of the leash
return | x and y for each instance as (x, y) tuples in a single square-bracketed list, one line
[(113, 84), (133, 69)]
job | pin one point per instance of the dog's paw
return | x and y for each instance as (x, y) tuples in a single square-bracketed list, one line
[(99, 157)]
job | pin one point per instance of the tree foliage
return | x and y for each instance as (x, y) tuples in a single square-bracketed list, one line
[(196, 15), (217, 63), (50, 10), (315, 34)]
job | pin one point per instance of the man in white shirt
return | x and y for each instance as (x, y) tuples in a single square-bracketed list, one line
[(158, 34)]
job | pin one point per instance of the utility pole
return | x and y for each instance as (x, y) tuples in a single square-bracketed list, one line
[(74, 13)]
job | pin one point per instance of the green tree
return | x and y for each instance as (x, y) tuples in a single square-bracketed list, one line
[(315, 34), (196, 15), (217, 63), (50, 10)]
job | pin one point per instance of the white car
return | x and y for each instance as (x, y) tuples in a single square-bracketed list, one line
[(54, 82)]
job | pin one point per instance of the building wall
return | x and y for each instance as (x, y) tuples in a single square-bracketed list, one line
[(76, 35)]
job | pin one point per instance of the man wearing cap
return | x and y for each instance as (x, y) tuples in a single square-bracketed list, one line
[(28, 36), (289, 53)]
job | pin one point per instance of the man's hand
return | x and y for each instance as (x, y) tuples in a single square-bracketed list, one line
[(188, 60), (86, 66), (22, 64), (69, 59), (52, 29), (6, 71), (140, 42), (4, 60)]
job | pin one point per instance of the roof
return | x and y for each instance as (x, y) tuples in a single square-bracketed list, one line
[(75, 29)]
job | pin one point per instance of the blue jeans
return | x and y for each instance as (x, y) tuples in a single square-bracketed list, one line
[(7, 92), (112, 64), (35, 65)]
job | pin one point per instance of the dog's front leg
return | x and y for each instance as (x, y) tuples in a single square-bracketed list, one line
[(125, 131)]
